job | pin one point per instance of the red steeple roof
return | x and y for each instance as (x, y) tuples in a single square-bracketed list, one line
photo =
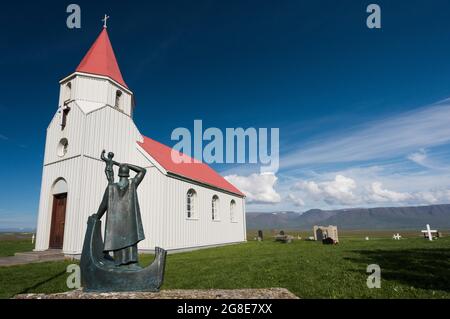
[(100, 60)]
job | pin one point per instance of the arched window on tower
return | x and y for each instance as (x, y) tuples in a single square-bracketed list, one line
[(233, 210), (215, 207), (190, 203), (67, 92), (119, 100)]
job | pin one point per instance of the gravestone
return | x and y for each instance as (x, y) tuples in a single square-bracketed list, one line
[(328, 241), (322, 232), (282, 237), (260, 235)]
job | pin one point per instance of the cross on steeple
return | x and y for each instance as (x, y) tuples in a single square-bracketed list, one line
[(105, 19)]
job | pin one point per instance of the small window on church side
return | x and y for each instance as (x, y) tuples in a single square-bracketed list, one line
[(62, 147), (190, 203), (68, 92), (215, 207), (233, 210), (118, 99)]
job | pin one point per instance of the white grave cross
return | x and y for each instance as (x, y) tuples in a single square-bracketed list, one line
[(429, 232), (396, 236)]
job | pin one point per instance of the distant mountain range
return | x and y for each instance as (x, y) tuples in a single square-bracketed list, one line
[(388, 218), (438, 216), (17, 230)]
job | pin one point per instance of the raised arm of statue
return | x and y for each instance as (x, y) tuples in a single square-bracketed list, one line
[(140, 173), (116, 163)]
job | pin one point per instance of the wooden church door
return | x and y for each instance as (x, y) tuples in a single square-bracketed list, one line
[(58, 220)]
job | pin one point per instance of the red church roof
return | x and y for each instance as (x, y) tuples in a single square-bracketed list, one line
[(190, 168), (100, 60)]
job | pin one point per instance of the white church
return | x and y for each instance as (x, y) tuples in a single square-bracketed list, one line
[(183, 205)]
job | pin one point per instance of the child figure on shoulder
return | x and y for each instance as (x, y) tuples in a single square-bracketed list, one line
[(109, 171)]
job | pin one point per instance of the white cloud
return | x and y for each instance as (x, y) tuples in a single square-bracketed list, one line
[(310, 186), (343, 191), (422, 158), (379, 194), (390, 184), (433, 197), (297, 201), (259, 188), (428, 197), (3, 137), (338, 191), (418, 157)]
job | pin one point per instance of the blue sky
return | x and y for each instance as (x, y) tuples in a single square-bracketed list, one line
[(362, 113)]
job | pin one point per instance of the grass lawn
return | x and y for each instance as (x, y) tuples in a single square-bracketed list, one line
[(410, 268), (11, 243)]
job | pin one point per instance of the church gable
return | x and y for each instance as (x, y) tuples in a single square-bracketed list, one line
[(113, 131)]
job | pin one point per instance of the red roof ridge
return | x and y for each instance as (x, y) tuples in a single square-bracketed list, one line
[(101, 60), (190, 168)]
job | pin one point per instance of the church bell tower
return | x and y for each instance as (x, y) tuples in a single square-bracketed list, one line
[(95, 111), (97, 81)]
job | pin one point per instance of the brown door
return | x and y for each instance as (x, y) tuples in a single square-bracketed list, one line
[(58, 219)]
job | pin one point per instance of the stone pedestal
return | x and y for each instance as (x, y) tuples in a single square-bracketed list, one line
[(269, 293)]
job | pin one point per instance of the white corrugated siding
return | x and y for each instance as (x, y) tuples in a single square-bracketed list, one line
[(114, 131), (74, 132), (181, 232), (90, 89), (95, 89), (69, 170)]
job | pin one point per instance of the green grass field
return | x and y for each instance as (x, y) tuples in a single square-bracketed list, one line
[(410, 268), (11, 243)]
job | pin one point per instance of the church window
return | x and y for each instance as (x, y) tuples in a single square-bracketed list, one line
[(190, 202), (215, 207), (67, 92), (232, 210), (62, 147), (119, 98)]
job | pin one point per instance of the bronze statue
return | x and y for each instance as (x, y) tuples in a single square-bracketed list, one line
[(123, 228), (123, 231)]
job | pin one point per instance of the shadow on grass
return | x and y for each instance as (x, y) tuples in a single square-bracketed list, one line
[(419, 268), (30, 289)]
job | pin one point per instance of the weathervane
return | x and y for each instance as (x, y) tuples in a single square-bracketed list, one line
[(105, 19)]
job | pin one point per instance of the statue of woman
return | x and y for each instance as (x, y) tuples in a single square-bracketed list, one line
[(123, 227)]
